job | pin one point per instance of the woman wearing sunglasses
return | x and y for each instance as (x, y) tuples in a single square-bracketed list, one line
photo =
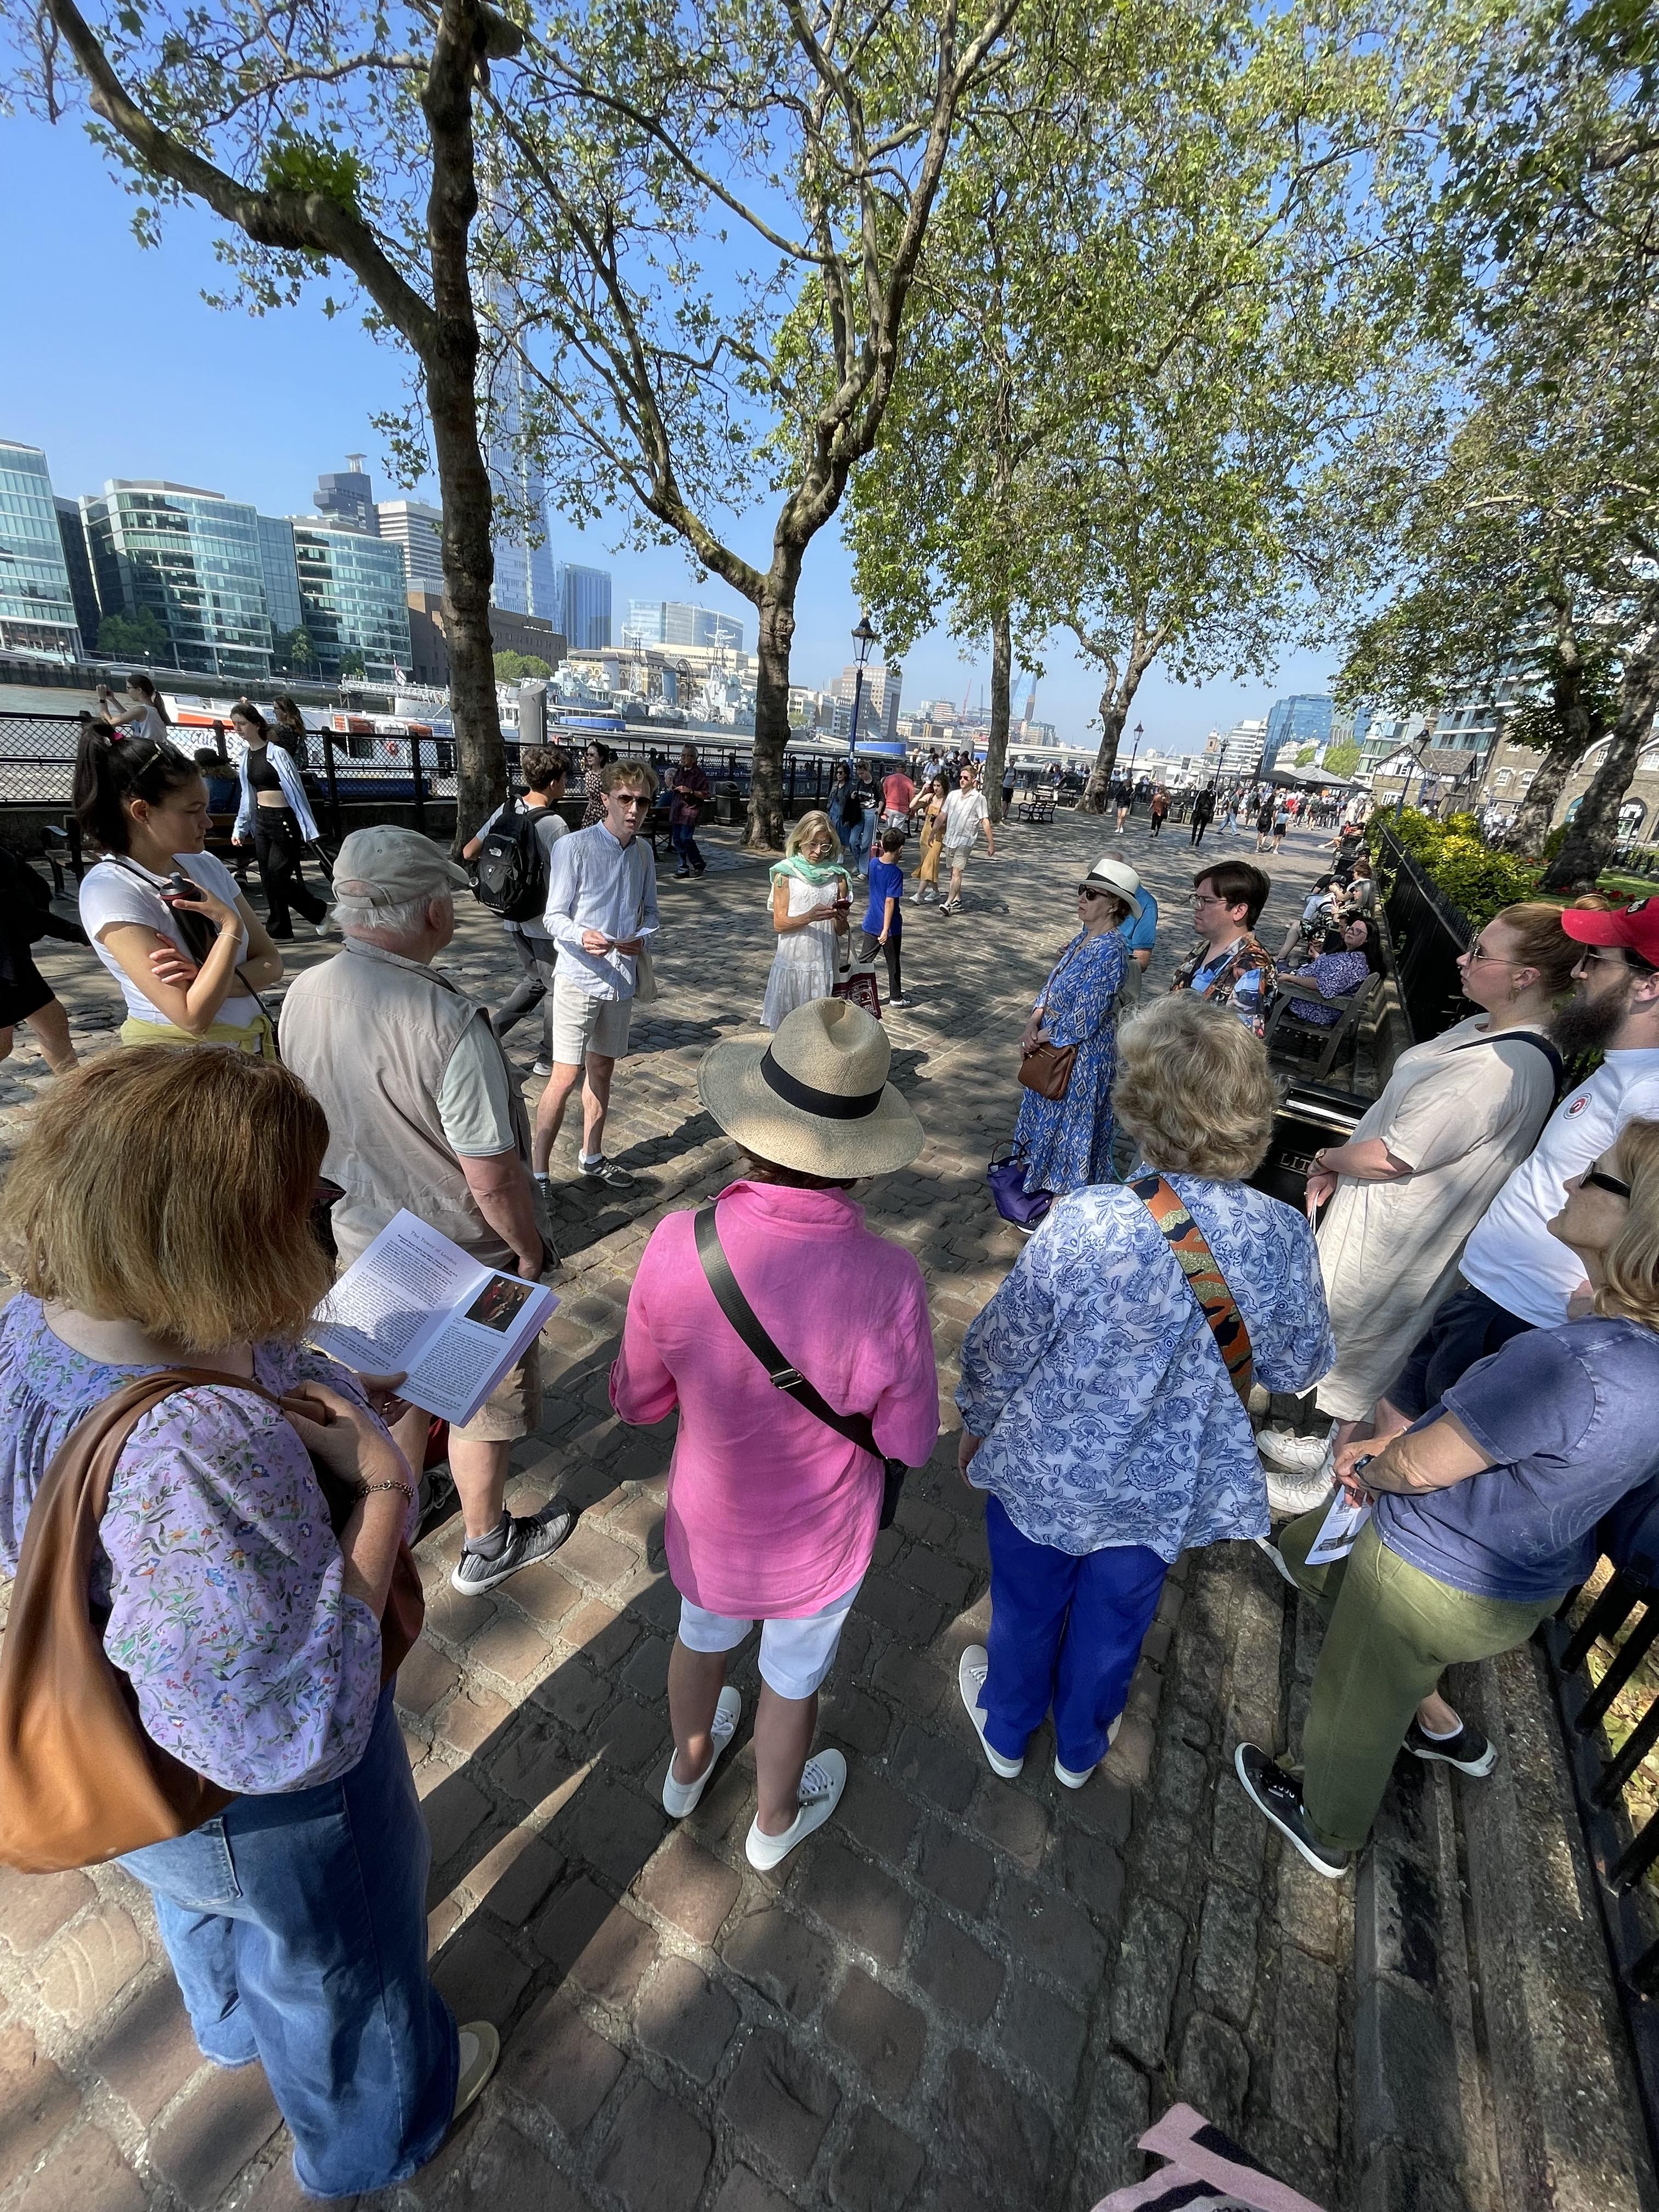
[(1485, 1516), (1065, 1142)]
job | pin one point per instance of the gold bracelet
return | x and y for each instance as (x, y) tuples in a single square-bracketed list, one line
[(368, 1489)]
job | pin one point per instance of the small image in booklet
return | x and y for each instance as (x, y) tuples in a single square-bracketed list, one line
[(1338, 1531), (414, 1301)]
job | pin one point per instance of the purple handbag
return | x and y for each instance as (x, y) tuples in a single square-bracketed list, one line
[(1007, 1177)]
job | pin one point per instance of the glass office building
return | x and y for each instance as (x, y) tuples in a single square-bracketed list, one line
[(37, 607), (280, 576), (585, 608), (192, 559), (353, 600), (1293, 723), (676, 622)]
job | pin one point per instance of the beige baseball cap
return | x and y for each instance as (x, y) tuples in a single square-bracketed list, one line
[(387, 864)]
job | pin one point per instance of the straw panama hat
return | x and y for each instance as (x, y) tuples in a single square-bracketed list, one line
[(1109, 874), (817, 1097)]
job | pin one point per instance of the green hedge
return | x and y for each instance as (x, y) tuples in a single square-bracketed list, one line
[(1477, 882)]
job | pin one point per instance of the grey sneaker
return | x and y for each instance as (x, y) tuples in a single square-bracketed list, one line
[(606, 1171), (543, 1067), (527, 1540)]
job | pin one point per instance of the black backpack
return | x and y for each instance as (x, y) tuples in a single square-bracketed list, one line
[(512, 862)]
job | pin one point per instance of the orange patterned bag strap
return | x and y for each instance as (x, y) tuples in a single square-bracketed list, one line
[(1204, 1278)]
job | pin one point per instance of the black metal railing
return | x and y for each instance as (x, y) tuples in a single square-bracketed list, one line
[(1428, 933)]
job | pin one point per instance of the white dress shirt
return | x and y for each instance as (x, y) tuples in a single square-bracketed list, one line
[(595, 882)]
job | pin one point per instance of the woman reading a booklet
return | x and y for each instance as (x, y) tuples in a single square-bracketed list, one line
[(249, 1634), (772, 1514)]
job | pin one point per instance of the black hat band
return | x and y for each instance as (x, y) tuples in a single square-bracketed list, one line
[(829, 1105)]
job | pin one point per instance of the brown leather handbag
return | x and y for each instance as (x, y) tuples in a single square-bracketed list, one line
[(1046, 1068), (80, 1781)]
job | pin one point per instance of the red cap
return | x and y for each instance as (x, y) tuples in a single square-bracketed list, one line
[(1636, 926)]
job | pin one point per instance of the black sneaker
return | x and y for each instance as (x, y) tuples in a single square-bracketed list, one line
[(606, 1171), (1279, 1796), (1467, 1751), (527, 1540)]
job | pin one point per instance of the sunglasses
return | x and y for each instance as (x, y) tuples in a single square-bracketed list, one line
[(1593, 1178), (1089, 891)]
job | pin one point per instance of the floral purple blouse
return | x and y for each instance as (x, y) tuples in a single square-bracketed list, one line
[(223, 1580)]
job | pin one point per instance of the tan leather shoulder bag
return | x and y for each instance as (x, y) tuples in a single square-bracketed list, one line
[(80, 1781)]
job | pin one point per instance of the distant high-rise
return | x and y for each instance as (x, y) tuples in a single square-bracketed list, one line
[(1302, 720), (526, 574), (676, 622), (584, 613), (878, 702), (72, 535), (419, 530), (37, 605), (347, 501), (192, 559), (353, 602)]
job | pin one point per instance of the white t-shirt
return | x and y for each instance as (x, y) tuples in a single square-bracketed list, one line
[(550, 826), (1511, 1256), (116, 892), (963, 813)]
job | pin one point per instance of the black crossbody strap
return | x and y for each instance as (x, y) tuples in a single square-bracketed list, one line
[(855, 1427), (1558, 1067)]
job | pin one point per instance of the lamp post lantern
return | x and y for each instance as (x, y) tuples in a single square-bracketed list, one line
[(1134, 752), (863, 638)]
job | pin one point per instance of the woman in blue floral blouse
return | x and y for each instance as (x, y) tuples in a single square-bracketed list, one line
[(1097, 1410), (1065, 1142), (248, 1633)]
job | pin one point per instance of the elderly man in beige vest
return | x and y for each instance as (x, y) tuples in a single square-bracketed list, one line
[(424, 1114)]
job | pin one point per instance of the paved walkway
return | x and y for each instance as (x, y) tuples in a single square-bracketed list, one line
[(961, 1993)]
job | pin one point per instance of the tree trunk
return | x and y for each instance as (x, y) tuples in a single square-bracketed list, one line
[(469, 571), (764, 829), (1594, 830), (1002, 678), (1114, 713), (1530, 826)]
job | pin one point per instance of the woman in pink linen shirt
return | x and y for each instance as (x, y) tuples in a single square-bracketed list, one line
[(772, 1514)]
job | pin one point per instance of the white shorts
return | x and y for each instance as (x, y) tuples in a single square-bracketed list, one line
[(795, 1655), (584, 1024)]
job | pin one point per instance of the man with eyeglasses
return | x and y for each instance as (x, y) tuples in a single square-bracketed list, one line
[(602, 913), (1227, 964), (1516, 1276)]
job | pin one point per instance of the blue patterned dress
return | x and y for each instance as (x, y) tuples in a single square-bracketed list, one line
[(1066, 1143)]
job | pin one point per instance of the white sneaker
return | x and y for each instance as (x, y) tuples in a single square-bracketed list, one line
[(823, 1779), (971, 1670), (1289, 1495), (1074, 1778), (1301, 1455), (480, 2050), (543, 1067), (679, 1798)]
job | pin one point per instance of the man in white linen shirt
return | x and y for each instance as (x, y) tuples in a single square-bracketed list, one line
[(965, 814), (1516, 1276), (601, 912)]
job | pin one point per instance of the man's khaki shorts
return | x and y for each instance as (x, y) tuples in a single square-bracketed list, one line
[(956, 857), (583, 1023), (513, 1408)]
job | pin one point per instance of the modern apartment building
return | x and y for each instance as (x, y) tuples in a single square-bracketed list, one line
[(1239, 753), (353, 600), (280, 575), (878, 702), (189, 557), (419, 530), (77, 560), (37, 605), (1302, 720)]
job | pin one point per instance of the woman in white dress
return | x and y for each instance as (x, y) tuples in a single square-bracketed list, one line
[(1459, 1111), (812, 897)]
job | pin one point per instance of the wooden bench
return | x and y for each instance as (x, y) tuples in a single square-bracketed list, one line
[(1283, 1024)]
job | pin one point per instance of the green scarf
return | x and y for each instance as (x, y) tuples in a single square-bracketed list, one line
[(819, 872)]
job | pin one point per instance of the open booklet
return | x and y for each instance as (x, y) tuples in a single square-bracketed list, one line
[(414, 1301)]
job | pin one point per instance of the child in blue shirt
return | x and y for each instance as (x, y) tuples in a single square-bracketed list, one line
[(884, 925)]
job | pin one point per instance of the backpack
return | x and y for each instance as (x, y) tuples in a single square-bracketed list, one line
[(511, 879)]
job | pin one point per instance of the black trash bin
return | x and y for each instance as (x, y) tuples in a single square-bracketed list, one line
[(1310, 1115)]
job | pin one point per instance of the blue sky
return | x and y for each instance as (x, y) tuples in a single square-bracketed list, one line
[(126, 372)]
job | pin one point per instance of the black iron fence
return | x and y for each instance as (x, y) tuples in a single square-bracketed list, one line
[(365, 767)]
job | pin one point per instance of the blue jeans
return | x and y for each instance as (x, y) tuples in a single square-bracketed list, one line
[(857, 842), (296, 1925), (1066, 1630), (682, 837)]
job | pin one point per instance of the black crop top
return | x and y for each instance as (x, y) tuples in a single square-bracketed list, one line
[(262, 770)]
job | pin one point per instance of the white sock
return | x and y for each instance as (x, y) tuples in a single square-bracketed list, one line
[(1441, 1736), (589, 1159)]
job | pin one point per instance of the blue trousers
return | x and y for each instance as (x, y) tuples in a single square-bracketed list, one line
[(855, 845), (1065, 1631), (296, 1925), (682, 837)]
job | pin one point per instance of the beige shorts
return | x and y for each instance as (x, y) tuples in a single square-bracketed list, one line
[(513, 1408), (956, 857), (583, 1023)]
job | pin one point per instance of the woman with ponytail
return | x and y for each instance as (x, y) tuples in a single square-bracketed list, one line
[(163, 915), (149, 718)]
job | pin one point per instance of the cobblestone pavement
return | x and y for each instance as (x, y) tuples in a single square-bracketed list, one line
[(961, 1992)]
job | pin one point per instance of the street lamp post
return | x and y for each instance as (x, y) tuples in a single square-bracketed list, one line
[(1134, 752), (863, 638)]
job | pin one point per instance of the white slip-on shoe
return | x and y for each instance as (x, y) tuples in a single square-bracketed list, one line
[(823, 1779), (679, 1798), (480, 2053), (971, 1670), (1071, 1777)]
